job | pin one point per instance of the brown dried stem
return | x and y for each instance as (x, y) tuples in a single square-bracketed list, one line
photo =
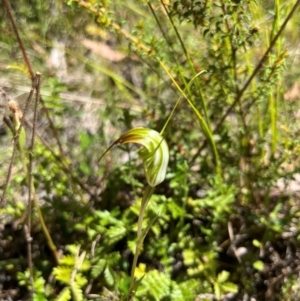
[(31, 184), (27, 62), (15, 146)]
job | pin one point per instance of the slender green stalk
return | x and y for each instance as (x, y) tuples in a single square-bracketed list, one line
[(274, 99), (182, 77), (178, 102), (191, 65), (202, 122), (140, 237)]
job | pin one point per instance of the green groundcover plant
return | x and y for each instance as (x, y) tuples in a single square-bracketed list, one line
[(206, 206)]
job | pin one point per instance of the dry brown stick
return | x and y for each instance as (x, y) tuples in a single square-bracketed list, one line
[(45, 110), (28, 239), (37, 88), (15, 144), (231, 237), (16, 31), (8, 174), (37, 82), (234, 67), (92, 255), (18, 125), (33, 196), (27, 61), (77, 266), (52, 127), (64, 166)]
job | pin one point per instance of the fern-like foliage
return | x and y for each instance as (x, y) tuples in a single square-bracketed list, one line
[(155, 285), (105, 266), (64, 295), (41, 292), (62, 274), (69, 273), (76, 292)]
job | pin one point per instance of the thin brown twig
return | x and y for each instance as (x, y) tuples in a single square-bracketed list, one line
[(28, 239), (17, 133), (234, 67), (92, 254), (231, 237), (15, 145), (37, 82), (52, 127), (45, 110), (18, 121), (27, 61), (16, 31), (63, 165)]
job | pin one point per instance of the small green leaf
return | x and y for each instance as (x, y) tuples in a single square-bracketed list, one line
[(155, 284), (98, 268), (39, 297), (62, 274), (256, 243), (65, 295), (116, 233), (22, 139), (68, 260), (217, 290), (258, 265), (85, 266), (112, 258), (77, 292), (229, 287), (176, 292), (73, 249), (138, 282), (109, 277), (223, 276), (80, 280)]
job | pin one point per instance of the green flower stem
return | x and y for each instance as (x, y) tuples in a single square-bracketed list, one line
[(155, 156), (140, 236)]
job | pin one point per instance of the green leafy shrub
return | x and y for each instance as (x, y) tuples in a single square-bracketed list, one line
[(212, 77)]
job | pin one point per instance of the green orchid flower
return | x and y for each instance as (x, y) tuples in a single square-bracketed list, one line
[(154, 154)]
